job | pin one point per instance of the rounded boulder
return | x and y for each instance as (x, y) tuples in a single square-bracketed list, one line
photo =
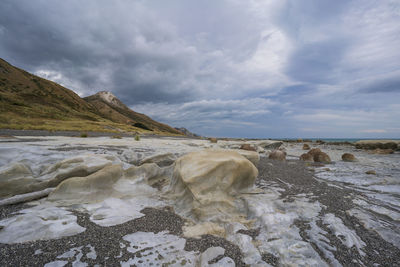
[(348, 157), (277, 155), (321, 157)]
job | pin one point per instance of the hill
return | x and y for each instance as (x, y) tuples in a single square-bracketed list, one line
[(113, 109), (32, 103)]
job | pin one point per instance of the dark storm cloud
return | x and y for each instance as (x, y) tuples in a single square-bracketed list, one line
[(100, 51)]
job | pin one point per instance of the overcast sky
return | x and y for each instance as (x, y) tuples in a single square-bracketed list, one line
[(249, 68)]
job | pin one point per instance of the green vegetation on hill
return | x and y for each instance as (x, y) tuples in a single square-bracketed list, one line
[(29, 102)]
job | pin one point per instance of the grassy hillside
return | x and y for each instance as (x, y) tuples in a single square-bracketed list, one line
[(113, 109), (33, 103)]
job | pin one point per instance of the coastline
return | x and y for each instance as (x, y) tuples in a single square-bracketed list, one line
[(301, 185)]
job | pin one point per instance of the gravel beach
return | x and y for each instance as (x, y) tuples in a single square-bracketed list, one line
[(295, 178)]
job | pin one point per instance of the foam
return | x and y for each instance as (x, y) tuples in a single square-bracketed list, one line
[(161, 248), (41, 222)]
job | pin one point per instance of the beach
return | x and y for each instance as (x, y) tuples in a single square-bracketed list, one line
[(295, 212)]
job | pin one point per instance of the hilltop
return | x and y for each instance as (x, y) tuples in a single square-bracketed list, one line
[(29, 102)]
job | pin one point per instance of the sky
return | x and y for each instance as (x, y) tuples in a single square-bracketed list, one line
[(254, 68)]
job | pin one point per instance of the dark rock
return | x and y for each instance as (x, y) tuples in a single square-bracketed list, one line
[(306, 157), (313, 151), (348, 157), (306, 147), (321, 157)]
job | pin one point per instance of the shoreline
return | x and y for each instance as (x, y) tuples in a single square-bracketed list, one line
[(299, 186), (295, 178)]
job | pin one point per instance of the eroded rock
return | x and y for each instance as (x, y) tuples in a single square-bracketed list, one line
[(205, 183), (306, 147), (19, 180), (92, 188)]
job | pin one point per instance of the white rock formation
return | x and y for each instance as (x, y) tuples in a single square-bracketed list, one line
[(205, 183)]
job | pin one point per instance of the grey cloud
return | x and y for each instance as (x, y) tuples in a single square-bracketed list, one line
[(391, 85), (227, 67), (317, 62)]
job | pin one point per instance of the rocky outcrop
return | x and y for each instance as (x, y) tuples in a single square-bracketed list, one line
[(348, 157), (204, 184), (18, 179), (277, 155), (321, 157), (378, 144), (382, 151)]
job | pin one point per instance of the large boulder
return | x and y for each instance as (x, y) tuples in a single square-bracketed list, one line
[(277, 155), (314, 151), (204, 184), (307, 157), (348, 157), (321, 157), (252, 156)]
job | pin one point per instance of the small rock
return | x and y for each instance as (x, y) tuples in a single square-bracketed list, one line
[(248, 147), (306, 147), (371, 172), (348, 157), (327, 169), (277, 155), (321, 157)]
